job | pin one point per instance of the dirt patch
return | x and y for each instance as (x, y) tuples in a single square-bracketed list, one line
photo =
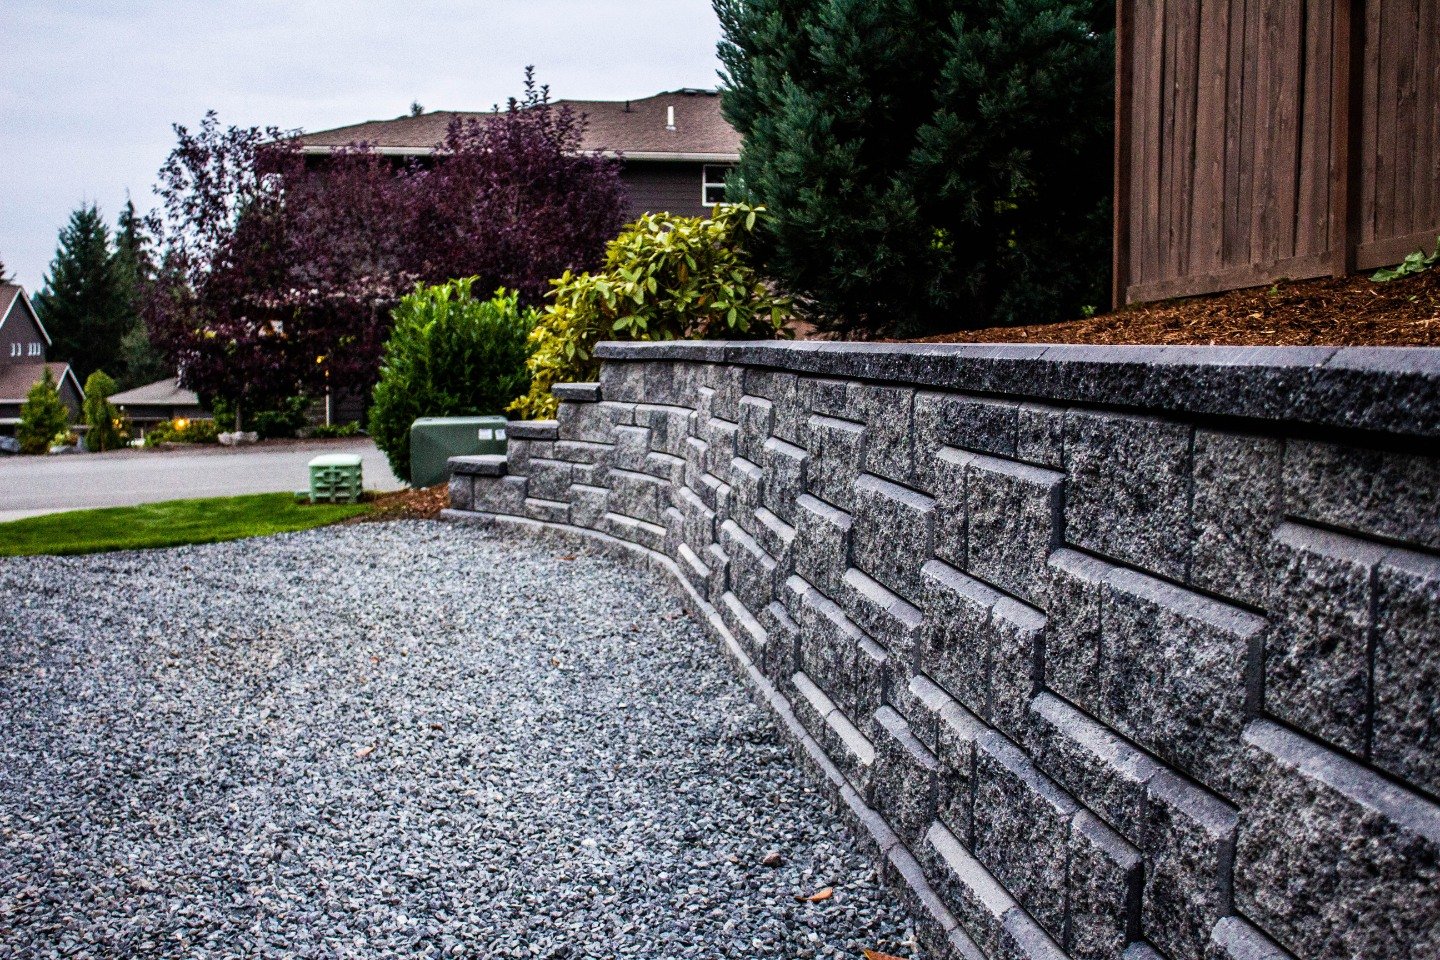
[(423, 504), (1354, 311)]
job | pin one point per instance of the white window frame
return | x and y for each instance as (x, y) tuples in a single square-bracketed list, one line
[(706, 183), (34, 349), (16, 350)]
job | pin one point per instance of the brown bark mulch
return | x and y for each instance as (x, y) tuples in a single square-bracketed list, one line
[(422, 504), (1353, 311)]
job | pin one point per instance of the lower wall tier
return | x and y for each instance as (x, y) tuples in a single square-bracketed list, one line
[(1095, 674)]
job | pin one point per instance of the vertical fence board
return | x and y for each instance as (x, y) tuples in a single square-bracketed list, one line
[(1269, 138)]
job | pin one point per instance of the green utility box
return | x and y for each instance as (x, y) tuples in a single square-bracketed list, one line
[(335, 478), (434, 440)]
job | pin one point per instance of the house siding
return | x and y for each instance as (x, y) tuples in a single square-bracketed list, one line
[(663, 186), (19, 328)]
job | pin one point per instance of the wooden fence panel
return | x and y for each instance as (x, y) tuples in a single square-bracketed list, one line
[(1261, 139)]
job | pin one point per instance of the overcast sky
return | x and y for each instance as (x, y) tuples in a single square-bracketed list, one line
[(90, 88)]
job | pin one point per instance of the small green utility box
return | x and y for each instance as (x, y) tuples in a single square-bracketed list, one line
[(434, 440), (335, 478)]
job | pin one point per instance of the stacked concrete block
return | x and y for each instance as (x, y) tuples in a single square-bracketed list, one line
[(1101, 656)]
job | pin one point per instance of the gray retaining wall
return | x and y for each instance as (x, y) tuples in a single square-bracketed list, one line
[(1105, 652)]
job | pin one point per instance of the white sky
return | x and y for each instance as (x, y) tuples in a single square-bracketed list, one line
[(90, 88)]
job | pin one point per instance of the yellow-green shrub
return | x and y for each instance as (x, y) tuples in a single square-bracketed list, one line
[(663, 278)]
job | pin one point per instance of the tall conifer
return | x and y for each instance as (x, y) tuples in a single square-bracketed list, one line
[(83, 304), (928, 165)]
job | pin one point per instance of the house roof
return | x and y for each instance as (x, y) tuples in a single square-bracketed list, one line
[(161, 393), (635, 128), (16, 379), (12, 294)]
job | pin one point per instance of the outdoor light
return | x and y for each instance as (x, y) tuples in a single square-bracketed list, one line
[(181, 423)]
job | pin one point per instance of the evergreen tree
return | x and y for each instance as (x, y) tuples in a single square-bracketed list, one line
[(4, 274), (138, 360), (84, 303), (101, 418), (927, 165), (43, 416)]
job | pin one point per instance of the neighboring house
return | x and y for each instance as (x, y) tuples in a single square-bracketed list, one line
[(23, 347), (676, 148), (157, 402)]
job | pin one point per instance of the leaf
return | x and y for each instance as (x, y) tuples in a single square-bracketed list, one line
[(877, 955), (364, 752), (818, 896)]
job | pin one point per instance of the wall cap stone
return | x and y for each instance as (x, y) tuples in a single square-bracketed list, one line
[(577, 392), (484, 465), (533, 429), (1391, 389)]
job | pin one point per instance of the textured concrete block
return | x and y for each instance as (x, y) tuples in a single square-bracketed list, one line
[(782, 390), (842, 741), (777, 538), (666, 467), (977, 424), (837, 453), (588, 505), (883, 615), (743, 626), (549, 479), (1406, 729), (823, 396), (1173, 672), (747, 492), (1040, 435), (669, 426), (889, 416), (1317, 658), (893, 533), (697, 528), (1383, 493), (1022, 829), (576, 392), (903, 788), (624, 382), (648, 535), (1128, 489), (519, 452), (489, 465), (1095, 765), (462, 491), (1236, 508), (592, 422), (1104, 876), (1188, 841), (638, 495), (841, 659), (1013, 524), (822, 544), (783, 633), (1073, 644), (1235, 939), (728, 382), (784, 465), (757, 421), (949, 471), (752, 570), (575, 451), (632, 444), (720, 438), (958, 733), (501, 495), (547, 511), (532, 430), (1333, 861)]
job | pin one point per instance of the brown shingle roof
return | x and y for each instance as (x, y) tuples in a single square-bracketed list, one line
[(16, 379), (636, 128), (164, 393)]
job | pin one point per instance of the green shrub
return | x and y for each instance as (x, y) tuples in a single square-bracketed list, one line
[(664, 278), (331, 431), (183, 431), (107, 430), (449, 354), (43, 416), (286, 420)]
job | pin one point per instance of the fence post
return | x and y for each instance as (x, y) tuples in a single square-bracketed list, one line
[(1345, 84), (1120, 203)]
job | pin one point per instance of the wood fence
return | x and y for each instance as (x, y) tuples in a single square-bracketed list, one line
[(1261, 139)]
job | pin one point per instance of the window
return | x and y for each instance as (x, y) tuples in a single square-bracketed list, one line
[(14, 349), (34, 349), (712, 186)]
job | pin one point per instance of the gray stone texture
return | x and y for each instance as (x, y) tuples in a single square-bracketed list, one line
[(1104, 652)]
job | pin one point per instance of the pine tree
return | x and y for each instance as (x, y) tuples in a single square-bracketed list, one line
[(102, 420), (84, 303), (43, 416), (927, 165), (4, 274), (138, 360)]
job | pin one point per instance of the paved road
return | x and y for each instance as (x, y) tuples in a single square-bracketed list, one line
[(36, 485)]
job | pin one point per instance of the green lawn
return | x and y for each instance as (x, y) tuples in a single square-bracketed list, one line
[(167, 524)]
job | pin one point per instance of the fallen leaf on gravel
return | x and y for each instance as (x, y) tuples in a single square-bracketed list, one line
[(567, 556), (364, 752), (818, 895), (877, 955), (554, 661), (374, 659), (437, 726), (772, 859)]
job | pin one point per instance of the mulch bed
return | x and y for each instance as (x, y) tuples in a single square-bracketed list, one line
[(1354, 311), (423, 504)]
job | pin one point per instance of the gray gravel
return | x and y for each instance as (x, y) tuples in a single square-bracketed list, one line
[(407, 739)]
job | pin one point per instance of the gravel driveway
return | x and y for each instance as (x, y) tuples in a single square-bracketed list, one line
[(396, 740)]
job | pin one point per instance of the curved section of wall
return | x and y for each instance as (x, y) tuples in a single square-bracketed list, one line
[(1107, 652)]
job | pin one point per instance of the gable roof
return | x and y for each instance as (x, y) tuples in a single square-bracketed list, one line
[(635, 128), (161, 393), (16, 379), (13, 293)]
